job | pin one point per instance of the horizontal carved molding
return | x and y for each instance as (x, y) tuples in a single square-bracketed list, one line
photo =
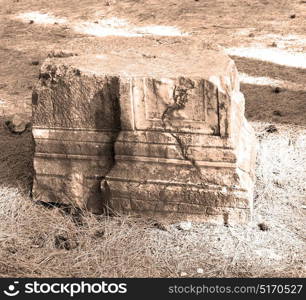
[(212, 164), (69, 156), (168, 183)]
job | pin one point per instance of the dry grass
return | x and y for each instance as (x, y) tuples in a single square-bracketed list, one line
[(36, 241), (16, 164)]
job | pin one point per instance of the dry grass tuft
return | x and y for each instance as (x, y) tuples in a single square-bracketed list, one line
[(16, 152), (36, 241)]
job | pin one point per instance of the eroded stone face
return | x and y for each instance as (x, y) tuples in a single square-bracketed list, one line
[(184, 151), (76, 119), (169, 142)]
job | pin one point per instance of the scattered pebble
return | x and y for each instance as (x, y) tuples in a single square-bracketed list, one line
[(62, 242), (277, 90), (277, 113), (293, 16), (224, 190), (39, 242), (186, 226), (160, 226), (35, 62), (267, 253), (99, 233), (271, 129), (274, 44), (17, 123), (148, 56), (31, 22), (200, 271), (263, 227), (251, 34), (77, 72), (61, 54)]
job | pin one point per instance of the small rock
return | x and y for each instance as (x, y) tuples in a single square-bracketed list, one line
[(183, 274), (160, 226), (271, 129), (31, 22), (148, 56), (39, 242), (11, 250), (17, 123), (99, 234), (278, 183), (277, 113), (273, 44), (62, 242), (60, 54), (267, 254), (186, 226), (293, 16), (35, 62), (200, 271), (224, 190), (263, 227), (277, 90), (251, 34), (77, 72), (3, 85)]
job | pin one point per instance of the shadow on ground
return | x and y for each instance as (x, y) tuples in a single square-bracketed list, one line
[(16, 158), (263, 103)]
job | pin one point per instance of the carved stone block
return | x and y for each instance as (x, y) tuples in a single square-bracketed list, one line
[(165, 133), (76, 119)]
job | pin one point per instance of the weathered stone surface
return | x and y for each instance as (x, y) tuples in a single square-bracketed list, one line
[(18, 123), (184, 150), (76, 118)]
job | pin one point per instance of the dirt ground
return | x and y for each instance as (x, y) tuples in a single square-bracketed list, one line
[(266, 39)]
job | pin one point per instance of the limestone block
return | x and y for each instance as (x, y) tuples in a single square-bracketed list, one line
[(76, 118), (185, 151), (164, 132)]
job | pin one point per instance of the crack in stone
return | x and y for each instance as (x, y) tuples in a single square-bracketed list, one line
[(180, 97)]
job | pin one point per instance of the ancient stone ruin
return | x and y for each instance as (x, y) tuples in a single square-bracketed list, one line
[(160, 133)]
